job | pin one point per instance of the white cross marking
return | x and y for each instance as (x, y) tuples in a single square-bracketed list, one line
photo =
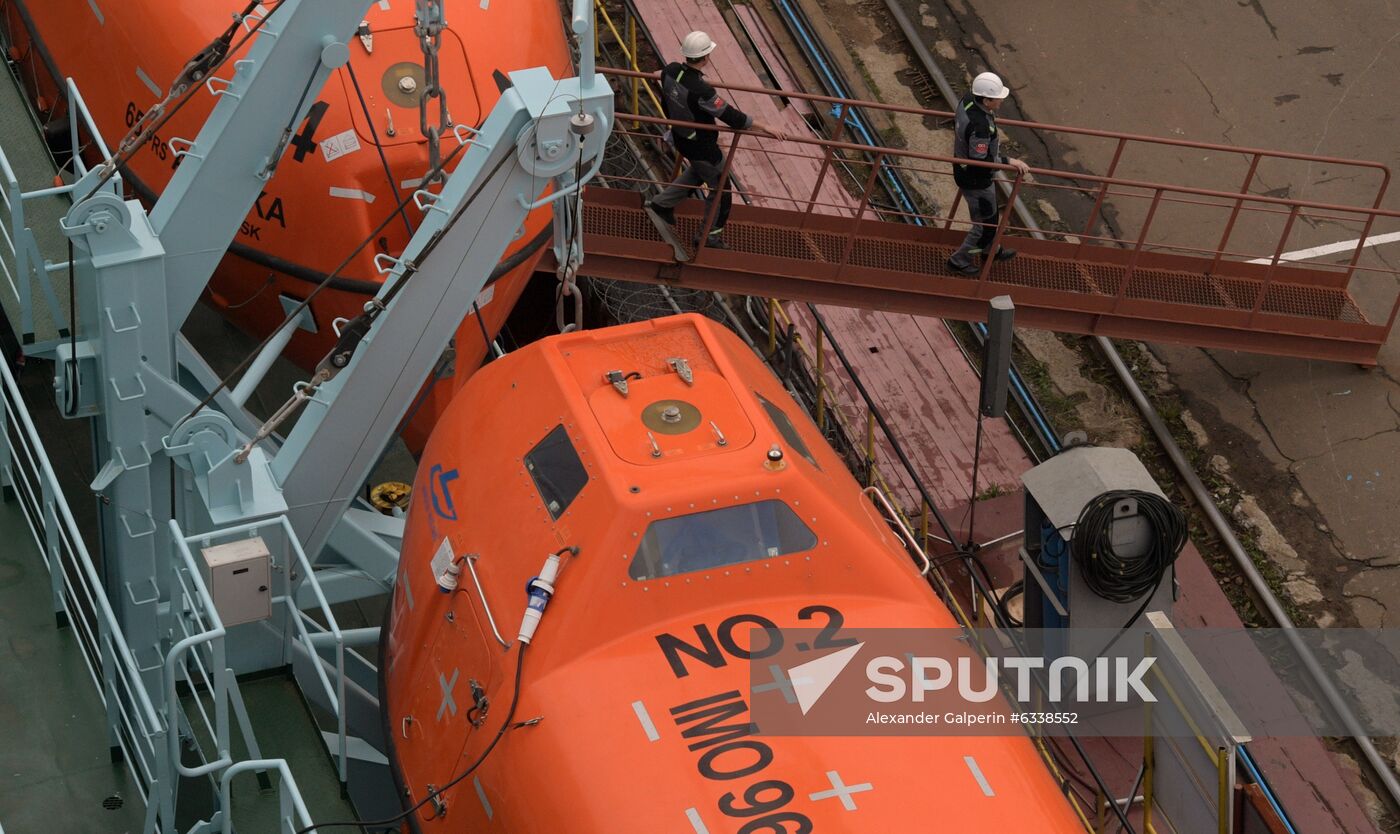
[(841, 791), (977, 774), (447, 700), (782, 682)]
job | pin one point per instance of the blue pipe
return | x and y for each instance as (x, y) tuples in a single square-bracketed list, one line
[(833, 82), (1264, 786)]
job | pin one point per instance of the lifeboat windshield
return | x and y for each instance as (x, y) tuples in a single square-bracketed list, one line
[(716, 538)]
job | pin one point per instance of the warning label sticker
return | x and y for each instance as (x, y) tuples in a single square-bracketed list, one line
[(339, 145)]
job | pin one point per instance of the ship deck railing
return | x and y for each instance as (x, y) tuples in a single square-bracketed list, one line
[(26, 267)]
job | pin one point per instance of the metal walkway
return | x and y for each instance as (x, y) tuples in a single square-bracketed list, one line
[(1176, 279)]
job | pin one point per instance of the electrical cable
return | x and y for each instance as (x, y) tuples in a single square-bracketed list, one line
[(436, 792), (374, 135), (1120, 578), (197, 68)]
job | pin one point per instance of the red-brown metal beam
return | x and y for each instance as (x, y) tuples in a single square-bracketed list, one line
[(1276, 308)]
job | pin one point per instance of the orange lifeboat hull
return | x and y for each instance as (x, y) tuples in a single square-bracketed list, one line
[(353, 160), (618, 728)]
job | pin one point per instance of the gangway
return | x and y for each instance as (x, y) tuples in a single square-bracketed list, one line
[(1159, 278)]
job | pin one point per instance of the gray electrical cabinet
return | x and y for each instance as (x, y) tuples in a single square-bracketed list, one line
[(239, 578), (1056, 492)]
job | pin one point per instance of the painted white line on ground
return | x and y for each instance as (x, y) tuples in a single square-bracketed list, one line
[(643, 716), (1331, 248), (95, 10), (977, 774)]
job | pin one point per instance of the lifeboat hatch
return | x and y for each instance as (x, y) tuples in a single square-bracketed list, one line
[(663, 418), (391, 78)]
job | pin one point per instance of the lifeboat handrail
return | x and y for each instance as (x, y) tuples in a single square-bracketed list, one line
[(470, 560), (875, 494)]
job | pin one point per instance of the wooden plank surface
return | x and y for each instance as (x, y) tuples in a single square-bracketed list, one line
[(912, 367)]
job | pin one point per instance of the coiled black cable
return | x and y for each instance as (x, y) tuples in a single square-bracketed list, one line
[(1114, 576), (1122, 578)]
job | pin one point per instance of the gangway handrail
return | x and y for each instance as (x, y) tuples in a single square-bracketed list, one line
[(1052, 172), (1383, 169)]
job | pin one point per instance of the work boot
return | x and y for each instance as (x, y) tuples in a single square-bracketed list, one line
[(1005, 254), (968, 268), (716, 240), (666, 214)]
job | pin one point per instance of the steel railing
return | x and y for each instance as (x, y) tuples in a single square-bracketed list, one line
[(31, 267), (1216, 214), (79, 597), (202, 637)]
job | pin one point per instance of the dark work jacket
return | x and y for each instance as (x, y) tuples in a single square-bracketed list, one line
[(687, 97), (975, 137)]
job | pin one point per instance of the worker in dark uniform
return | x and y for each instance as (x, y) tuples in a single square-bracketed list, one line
[(687, 97), (976, 137)]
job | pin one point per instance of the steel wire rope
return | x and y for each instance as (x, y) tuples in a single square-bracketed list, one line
[(306, 302), (222, 45)]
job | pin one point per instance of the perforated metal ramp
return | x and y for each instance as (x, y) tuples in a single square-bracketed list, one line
[(1277, 309)]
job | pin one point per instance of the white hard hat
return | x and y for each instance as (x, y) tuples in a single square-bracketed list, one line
[(988, 85), (697, 45)]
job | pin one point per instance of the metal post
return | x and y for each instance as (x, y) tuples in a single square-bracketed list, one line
[(828, 157), (988, 256), (631, 26), (953, 209), (51, 548), (869, 446), (821, 379), (1148, 770), (1103, 192), (1273, 264), (1137, 249), (772, 327), (1366, 231), (1234, 213), (1222, 760), (713, 210), (860, 212)]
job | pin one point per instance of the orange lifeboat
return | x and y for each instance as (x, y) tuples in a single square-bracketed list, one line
[(354, 158), (695, 495)]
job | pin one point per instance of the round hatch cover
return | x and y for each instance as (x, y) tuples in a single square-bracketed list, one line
[(403, 84), (671, 416)]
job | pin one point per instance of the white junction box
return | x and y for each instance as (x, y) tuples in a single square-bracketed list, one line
[(239, 578)]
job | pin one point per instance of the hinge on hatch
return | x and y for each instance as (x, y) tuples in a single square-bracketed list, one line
[(682, 368), (618, 380)]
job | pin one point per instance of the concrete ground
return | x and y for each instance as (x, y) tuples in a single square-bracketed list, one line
[(1315, 443)]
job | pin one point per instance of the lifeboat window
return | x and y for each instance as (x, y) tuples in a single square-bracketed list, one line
[(787, 429), (558, 472), (715, 538)]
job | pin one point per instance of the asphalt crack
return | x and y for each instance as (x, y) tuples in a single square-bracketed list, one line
[(1229, 126)]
